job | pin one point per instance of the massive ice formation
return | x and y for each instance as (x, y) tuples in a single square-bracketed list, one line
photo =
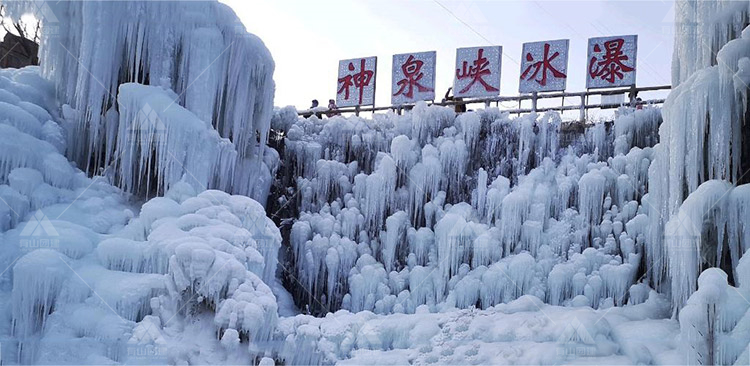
[(715, 322), (153, 128), (429, 208), (200, 51), (704, 137), (84, 273), (427, 235)]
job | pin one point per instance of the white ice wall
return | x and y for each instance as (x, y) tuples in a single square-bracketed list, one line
[(198, 49), (700, 138)]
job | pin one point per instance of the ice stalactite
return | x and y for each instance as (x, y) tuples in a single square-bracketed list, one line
[(379, 188), (702, 28), (202, 52), (454, 237), (162, 141), (714, 321), (702, 137), (636, 130), (707, 231), (37, 280), (153, 128), (395, 239), (454, 159), (250, 308), (591, 192), (686, 246), (424, 183)]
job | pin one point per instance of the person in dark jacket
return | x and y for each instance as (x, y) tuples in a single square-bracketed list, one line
[(459, 106), (311, 112)]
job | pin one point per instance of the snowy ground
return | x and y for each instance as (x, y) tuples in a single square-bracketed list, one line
[(524, 331)]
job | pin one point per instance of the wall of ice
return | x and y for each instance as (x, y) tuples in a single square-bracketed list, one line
[(92, 279), (197, 49), (698, 217), (701, 29), (430, 208)]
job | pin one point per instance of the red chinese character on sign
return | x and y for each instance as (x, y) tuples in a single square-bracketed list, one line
[(412, 70), (476, 73), (611, 65), (359, 80), (544, 65)]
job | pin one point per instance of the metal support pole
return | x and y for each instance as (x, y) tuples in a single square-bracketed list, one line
[(533, 101), (586, 114), (356, 111), (582, 111), (519, 107), (487, 104)]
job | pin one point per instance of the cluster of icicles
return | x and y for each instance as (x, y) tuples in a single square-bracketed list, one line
[(436, 209), (200, 55)]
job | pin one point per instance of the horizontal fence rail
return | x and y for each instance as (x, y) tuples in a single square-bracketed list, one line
[(533, 97)]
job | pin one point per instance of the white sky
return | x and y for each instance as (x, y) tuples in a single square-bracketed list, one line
[(308, 38)]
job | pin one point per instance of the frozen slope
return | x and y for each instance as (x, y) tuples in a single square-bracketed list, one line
[(703, 150)]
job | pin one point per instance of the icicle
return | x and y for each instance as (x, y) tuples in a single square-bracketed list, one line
[(683, 237), (396, 226), (37, 279), (93, 48)]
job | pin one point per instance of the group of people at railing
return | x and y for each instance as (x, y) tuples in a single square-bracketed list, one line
[(458, 103), (315, 109)]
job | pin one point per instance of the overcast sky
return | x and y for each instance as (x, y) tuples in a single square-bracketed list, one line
[(308, 38)]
